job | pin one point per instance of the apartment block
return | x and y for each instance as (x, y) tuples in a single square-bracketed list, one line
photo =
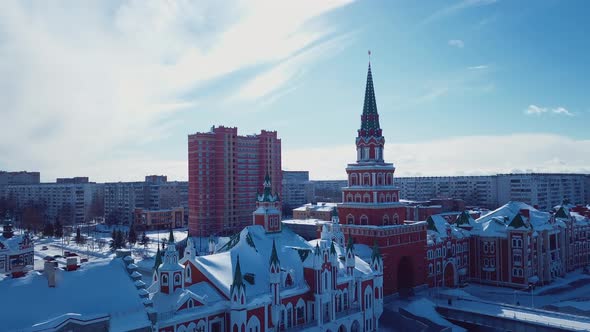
[(225, 173), (297, 190)]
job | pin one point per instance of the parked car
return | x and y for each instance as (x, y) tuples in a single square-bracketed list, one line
[(44, 248)]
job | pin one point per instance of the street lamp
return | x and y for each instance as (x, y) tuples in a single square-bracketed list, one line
[(532, 287)]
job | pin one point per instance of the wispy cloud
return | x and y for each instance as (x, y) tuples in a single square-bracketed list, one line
[(112, 82), (537, 110), (456, 43), (480, 67), (551, 153), (455, 8)]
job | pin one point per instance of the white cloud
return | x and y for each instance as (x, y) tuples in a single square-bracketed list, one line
[(456, 43), (479, 67), (82, 82), (455, 156), (562, 110), (537, 110), (457, 7)]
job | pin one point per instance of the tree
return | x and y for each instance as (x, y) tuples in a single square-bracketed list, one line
[(58, 230), (33, 215), (48, 229), (112, 218), (144, 240), (118, 240), (132, 236), (79, 238)]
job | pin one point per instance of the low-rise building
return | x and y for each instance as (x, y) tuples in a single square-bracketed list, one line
[(145, 219), (321, 211), (16, 251)]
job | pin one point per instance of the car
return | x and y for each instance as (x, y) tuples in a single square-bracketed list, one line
[(58, 256), (44, 248)]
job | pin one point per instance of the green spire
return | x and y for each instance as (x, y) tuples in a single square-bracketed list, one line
[(238, 282), (370, 117), (349, 245), (463, 219), (376, 253), (332, 248), (158, 259), (267, 194), (171, 237), (431, 226), (562, 213), (274, 258), (335, 212), (317, 249), (517, 222)]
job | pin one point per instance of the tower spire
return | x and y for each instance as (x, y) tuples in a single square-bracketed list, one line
[(370, 117)]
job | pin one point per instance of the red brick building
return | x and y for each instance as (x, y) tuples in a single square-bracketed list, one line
[(225, 172), (371, 212)]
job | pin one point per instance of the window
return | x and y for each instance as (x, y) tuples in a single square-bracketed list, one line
[(385, 220), (177, 279), (430, 268), (364, 220)]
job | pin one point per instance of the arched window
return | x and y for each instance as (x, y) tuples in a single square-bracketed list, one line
[(357, 198), (381, 198), (300, 312), (353, 179), (379, 178), (389, 178), (349, 198), (350, 219), (289, 315), (366, 179), (177, 279), (188, 273), (388, 198), (385, 220), (394, 197), (395, 219), (364, 220), (164, 279), (367, 198), (190, 303)]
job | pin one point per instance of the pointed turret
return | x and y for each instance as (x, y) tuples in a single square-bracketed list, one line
[(274, 258), (370, 117), (517, 222), (376, 259), (349, 259), (562, 213), (171, 237), (268, 206), (370, 140), (238, 288), (158, 259)]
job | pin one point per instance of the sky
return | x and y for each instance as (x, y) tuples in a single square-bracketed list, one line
[(111, 89)]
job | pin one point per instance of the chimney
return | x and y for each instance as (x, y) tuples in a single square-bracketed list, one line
[(49, 268), (525, 213)]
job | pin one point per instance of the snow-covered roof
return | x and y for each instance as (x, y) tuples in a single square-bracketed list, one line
[(12, 243), (439, 229), (361, 265), (497, 222), (100, 287), (254, 247)]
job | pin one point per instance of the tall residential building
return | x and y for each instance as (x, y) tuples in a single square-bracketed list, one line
[(155, 193), (587, 189), (297, 190), (543, 190), (225, 173)]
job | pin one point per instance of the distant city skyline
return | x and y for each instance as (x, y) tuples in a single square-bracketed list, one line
[(463, 88)]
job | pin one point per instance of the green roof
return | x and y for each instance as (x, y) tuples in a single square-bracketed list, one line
[(238, 282), (517, 222), (431, 226), (273, 254), (463, 219), (158, 259), (562, 213), (370, 117), (376, 253)]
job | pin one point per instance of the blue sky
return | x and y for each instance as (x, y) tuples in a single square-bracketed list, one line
[(111, 89)]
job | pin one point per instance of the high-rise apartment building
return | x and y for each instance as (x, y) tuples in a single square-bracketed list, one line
[(225, 173), (22, 177), (70, 202), (542, 190), (155, 193), (297, 190)]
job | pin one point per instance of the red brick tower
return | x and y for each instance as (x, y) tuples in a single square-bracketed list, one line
[(268, 209), (371, 212)]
